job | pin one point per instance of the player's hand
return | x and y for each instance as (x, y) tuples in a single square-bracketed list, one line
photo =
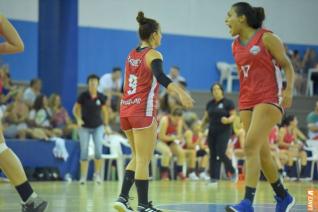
[(108, 130), (287, 98), (186, 100)]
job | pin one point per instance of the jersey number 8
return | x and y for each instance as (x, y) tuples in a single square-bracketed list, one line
[(132, 84)]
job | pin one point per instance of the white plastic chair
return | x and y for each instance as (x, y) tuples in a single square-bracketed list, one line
[(310, 83), (228, 72)]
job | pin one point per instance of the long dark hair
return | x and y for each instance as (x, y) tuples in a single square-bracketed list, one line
[(38, 103), (254, 15), (147, 26)]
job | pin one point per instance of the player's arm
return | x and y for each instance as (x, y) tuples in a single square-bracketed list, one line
[(276, 48), (13, 43), (205, 119), (77, 111), (154, 61)]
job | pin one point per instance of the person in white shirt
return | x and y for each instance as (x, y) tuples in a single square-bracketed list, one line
[(110, 85), (32, 92), (175, 76)]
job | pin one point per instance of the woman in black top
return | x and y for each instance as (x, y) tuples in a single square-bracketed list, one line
[(220, 114), (91, 115)]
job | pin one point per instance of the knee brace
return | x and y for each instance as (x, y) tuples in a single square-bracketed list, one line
[(3, 147)]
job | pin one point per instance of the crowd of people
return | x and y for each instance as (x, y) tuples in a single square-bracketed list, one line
[(183, 137)]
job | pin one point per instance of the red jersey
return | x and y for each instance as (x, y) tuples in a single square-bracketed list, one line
[(172, 128), (273, 135), (141, 88), (260, 78), (289, 138)]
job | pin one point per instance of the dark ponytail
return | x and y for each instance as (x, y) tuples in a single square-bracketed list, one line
[(254, 15), (147, 26)]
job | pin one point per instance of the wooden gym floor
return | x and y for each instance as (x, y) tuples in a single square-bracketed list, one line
[(170, 196)]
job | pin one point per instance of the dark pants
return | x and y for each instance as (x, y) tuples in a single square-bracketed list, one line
[(217, 142)]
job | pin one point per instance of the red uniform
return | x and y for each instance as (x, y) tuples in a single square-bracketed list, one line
[(289, 138), (138, 106), (260, 78)]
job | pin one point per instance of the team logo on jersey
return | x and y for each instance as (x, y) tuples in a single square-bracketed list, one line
[(220, 106), (134, 62), (255, 50), (98, 103)]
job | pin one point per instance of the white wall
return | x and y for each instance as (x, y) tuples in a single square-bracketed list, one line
[(293, 20), (26, 10)]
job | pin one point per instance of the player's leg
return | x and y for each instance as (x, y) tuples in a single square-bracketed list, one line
[(166, 155), (180, 154), (12, 167), (122, 203), (145, 142), (191, 156)]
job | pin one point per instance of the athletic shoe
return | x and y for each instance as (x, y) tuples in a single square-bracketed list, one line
[(147, 208), (122, 205), (35, 205), (193, 176), (181, 176), (204, 176), (213, 183), (82, 181), (97, 178), (244, 206), (284, 205)]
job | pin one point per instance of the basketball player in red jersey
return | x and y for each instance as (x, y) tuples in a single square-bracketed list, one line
[(256, 51), (138, 110), (9, 162)]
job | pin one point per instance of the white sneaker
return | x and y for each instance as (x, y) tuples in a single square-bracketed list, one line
[(97, 178), (204, 176), (193, 176), (82, 181)]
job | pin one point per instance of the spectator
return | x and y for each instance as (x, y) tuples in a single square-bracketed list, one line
[(312, 123), (220, 114), (110, 84), (175, 76), (60, 118), (16, 118), (289, 142), (32, 92), (239, 134), (91, 114), (300, 76), (195, 147), (170, 135), (40, 117), (311, 61), (7, 89)]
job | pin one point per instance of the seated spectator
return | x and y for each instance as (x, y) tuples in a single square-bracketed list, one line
[(15, 120), (312, 123), (195, 147), (289, 142), (40, 117), (32, 92), (311, 61), (170, 135), (7, 89), (60, 118), (279, 157), (240, 134), (110, 85)]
